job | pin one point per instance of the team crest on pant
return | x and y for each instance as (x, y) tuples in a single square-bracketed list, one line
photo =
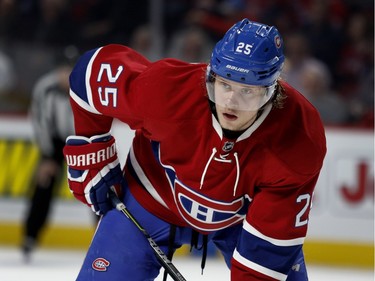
[(204, 213), (100, 264)]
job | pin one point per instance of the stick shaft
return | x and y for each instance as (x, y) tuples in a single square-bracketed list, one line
[(160, 255)]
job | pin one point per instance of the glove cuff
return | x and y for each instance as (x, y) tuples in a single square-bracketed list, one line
[(90, 156)]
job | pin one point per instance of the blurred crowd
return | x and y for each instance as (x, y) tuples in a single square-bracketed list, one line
[(329, 44)]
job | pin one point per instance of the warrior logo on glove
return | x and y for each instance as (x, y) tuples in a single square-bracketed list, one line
[(93, 168), (91, 158)]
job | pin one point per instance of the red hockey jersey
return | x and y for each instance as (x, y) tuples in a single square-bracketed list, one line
[(184, 170)]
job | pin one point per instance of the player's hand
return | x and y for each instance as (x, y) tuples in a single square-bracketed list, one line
[(93, 168)]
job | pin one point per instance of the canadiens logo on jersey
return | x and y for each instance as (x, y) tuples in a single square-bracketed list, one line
[(204, 213)]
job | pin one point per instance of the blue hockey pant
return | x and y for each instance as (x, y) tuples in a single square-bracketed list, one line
[(119, 251)]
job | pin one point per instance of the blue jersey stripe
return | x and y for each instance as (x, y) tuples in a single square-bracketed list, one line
[(171, 174), (261, 252), (78, 76)]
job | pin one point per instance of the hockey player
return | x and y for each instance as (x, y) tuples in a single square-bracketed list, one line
[(224, 152)]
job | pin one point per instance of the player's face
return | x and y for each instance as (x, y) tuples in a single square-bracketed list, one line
[(234, 120), (238, 96), (237, 104)]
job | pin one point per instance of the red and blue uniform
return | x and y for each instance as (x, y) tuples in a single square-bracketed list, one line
[(251, 194)]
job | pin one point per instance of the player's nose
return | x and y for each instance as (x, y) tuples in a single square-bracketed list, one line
[(230, 100)]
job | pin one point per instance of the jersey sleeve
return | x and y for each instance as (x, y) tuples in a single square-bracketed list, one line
[(273, 232), (101, 88), (116, 82)]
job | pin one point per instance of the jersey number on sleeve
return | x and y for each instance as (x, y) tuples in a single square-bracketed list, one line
[(305, 199), (104, 97)]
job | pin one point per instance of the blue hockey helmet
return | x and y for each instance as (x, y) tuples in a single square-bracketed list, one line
[(249, 53)]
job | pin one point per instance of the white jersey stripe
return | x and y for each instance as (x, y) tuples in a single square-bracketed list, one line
[(278, 242), (87, 79), (82, 103), (257, 123), (145, 181), (254, 266)]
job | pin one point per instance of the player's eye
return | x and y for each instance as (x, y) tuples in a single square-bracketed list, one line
[(246, 91), (252, 91), (225, 85)]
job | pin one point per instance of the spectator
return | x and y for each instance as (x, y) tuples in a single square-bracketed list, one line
[(141, 40), (191, 44), (7, 83), (316, 84), (7, 74), (298, 57), (324, 33), (356, 67)]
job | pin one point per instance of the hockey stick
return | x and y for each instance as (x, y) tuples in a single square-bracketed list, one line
[(164, 261)]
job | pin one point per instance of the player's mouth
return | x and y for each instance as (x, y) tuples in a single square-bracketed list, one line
[(229, 116)]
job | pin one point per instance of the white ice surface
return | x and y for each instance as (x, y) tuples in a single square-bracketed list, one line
[(58, 265)]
